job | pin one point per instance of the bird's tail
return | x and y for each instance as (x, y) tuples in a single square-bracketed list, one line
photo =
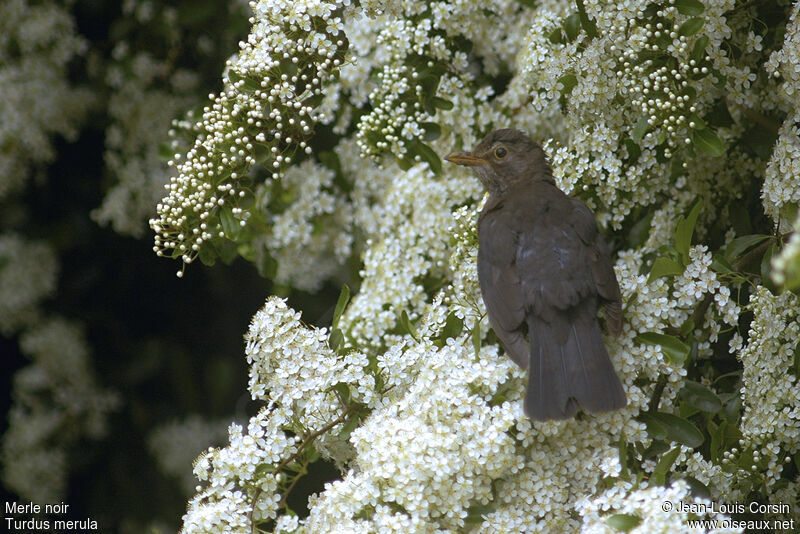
[(570, 367)]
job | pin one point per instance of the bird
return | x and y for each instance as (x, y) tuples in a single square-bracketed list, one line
[(544, 272)]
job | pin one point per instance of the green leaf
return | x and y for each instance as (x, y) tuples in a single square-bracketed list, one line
[(639, 129), (441, 103), (336, 340), (452, 326), (432, 131), (664, 266), (556, 36), (343, 389), (476, 512), (622, 446), (684, 231), (689, 7), (691, 26), (717, 434), (655, 429), (675, 350), (476, 339), (700, 396), (568, 82), (344, 298), (408, 326), (207, 254), (623, 522), (659, 476), (588, 24), (795, 368), (427, 154), (720, 265), (165, 151), (699, 48), (500, 396), (708, 142), (678, 429), (741, 244), (230, 225), (404, 163), (572, 25), (349, 425)]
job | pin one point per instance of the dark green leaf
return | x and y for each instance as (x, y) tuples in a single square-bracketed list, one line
[(427, 154), (633, 150), (699, 48), (408, 326), (568, 82), (659, 476), (349, 425), (344, 298), (165, 151), (588, 24), (678, 429), (689, 7), (741, 244), (701, 397), (476, 339), (664, 266), (556, 36), (720, 265), (432, 131), (336, 340), (697, 488), (572, 25), (684, 231), (623, 522), (441, 103), (691, 26), (207, 254), (622, 446), (500, 396), (343, 390), (230, 225), (717, 433), (452, 326), (639, 129), (476, 512), (708, 142), (795, 368), (673, 348)]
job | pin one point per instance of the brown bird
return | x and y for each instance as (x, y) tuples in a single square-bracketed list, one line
[(544, 270)]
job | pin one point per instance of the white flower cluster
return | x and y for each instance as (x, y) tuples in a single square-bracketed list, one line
[(647, 74), (441, 443), (175, 444), (781, 191), (264, 115), (56, 402), (139, 106), (38, 42), (412, 48), (28, 272), (770, 393), (660, 509), (311, 238)]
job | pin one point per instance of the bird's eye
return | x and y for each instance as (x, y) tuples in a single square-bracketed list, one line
[(500, 152)]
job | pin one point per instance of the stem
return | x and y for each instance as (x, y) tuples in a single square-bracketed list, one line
[(293, 457)]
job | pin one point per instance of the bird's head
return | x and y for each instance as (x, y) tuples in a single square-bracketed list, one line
[(503, 158)]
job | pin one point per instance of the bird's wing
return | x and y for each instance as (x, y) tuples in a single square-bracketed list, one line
[(500, 285), (602, 268), (553, 260)]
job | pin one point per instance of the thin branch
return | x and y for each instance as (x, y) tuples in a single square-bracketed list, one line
[(293, 457)]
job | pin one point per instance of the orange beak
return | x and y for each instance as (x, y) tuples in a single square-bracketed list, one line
[(465, 158)]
